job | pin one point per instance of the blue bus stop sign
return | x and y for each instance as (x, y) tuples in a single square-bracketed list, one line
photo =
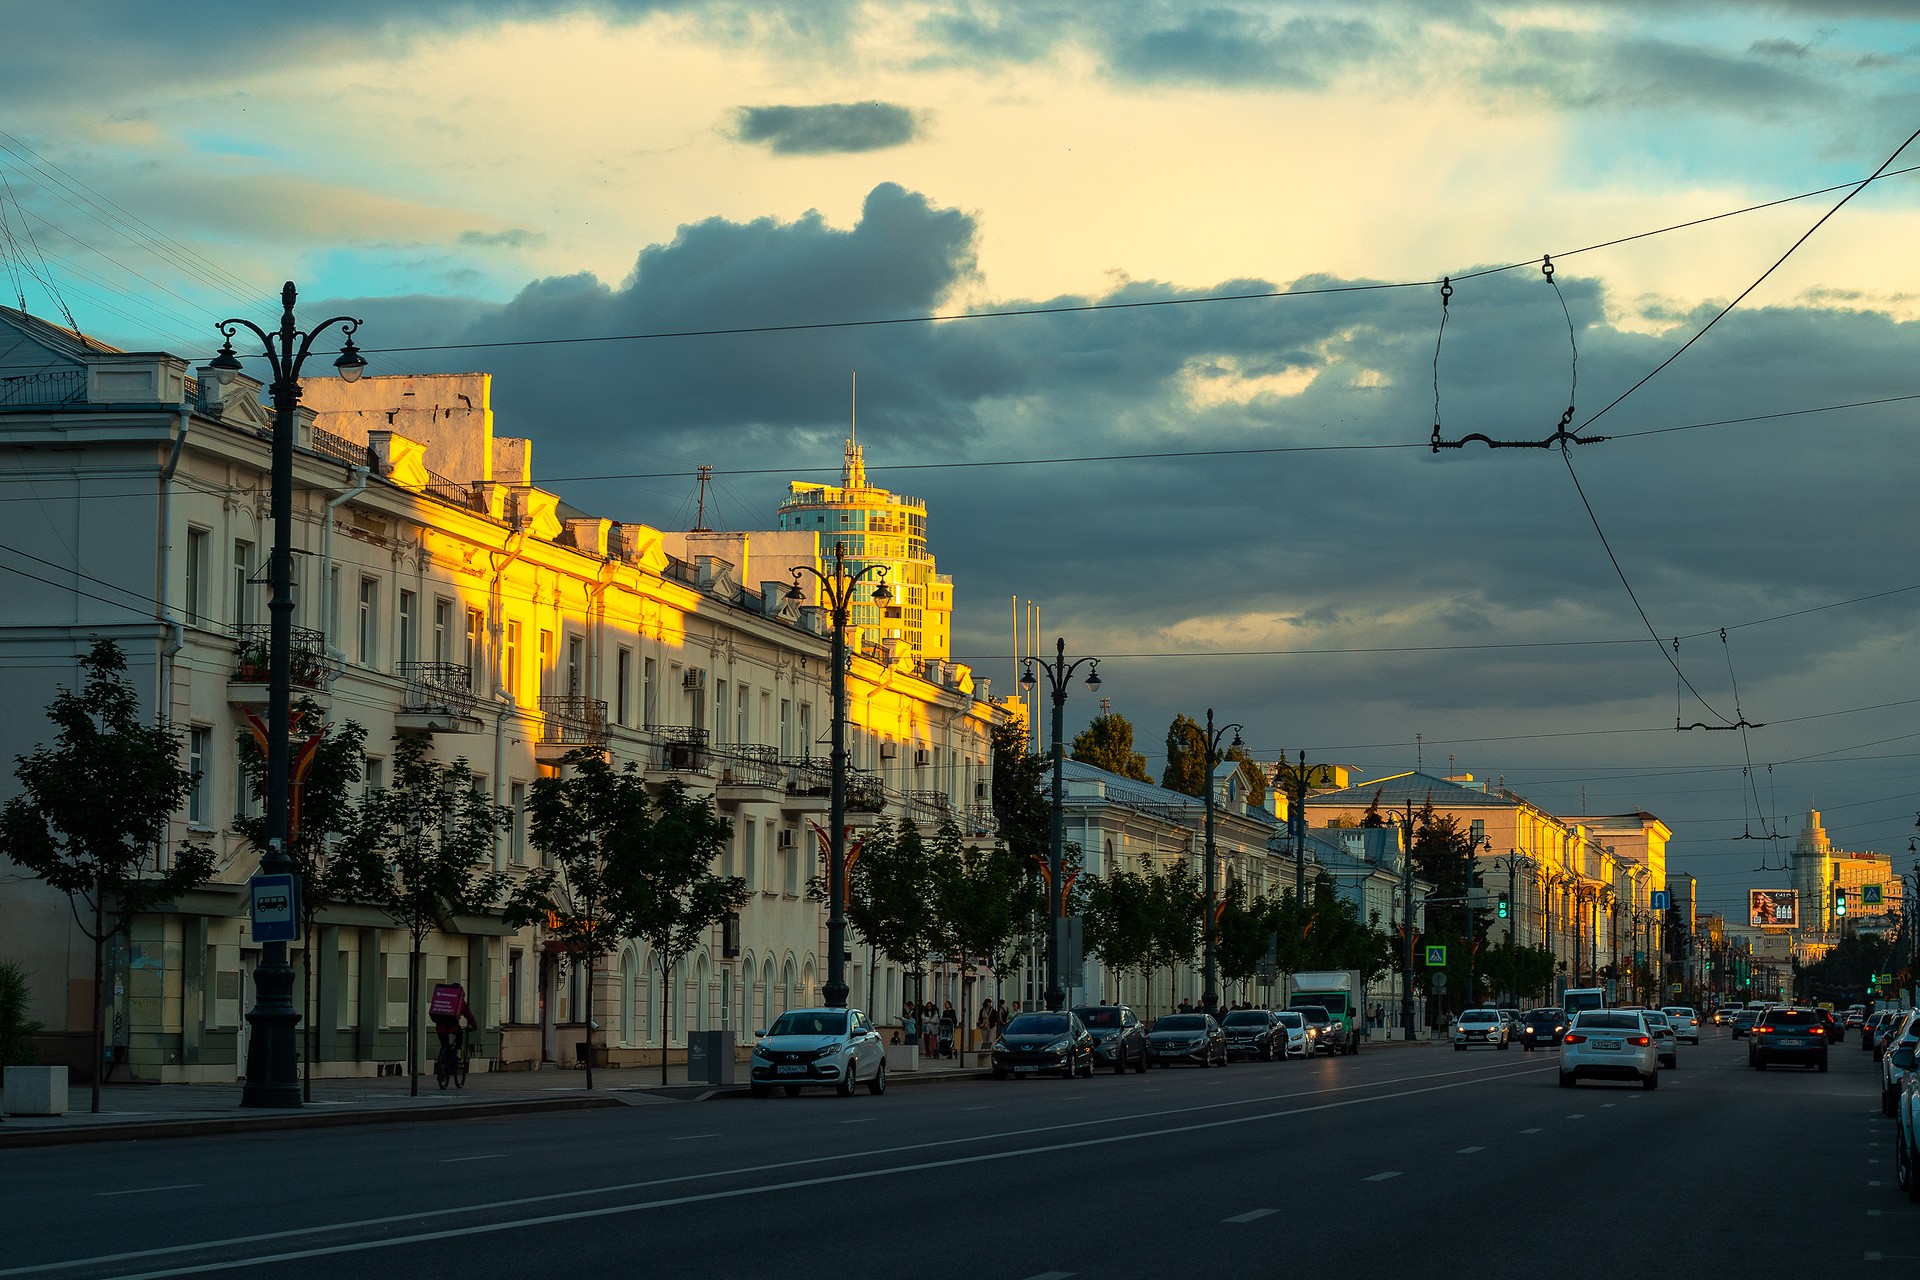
[(275, 908)]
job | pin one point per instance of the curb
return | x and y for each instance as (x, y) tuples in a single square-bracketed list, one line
[(145, 1131), (728, 1093)]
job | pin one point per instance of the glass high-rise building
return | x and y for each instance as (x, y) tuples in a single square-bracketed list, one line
[(878, 526)]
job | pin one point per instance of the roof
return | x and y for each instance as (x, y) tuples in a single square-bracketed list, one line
[(1397, 789), (1176, 806), (67, 342)]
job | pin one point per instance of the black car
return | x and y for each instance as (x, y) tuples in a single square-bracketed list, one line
[(1542, 1028), (1330, 1035), (1789, 1035), (1119, 1037), (1187, 1037), (1836, 1028), (1743, 1021), (1255, 1033), (1036, 1042)]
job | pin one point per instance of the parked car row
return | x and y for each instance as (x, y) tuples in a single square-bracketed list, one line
[(1083, 1040)]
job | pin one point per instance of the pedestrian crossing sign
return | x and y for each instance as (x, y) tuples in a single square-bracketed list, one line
[(1870, 895), (1436, 957)]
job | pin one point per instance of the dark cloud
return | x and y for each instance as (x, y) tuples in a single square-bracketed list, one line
[(1602, 69), (510, 238), (1233, 47), (827, 128), (1367, 541)]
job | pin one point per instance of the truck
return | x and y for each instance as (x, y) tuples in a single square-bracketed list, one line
[(1339, 992), (1575, 999)]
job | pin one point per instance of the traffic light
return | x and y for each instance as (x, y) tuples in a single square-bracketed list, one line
[(1839, 901), (1506, 907)]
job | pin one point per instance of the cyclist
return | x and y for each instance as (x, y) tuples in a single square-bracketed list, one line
[(452, 1017)]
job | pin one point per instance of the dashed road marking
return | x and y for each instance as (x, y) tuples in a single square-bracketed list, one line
[(1250, 1215), (141, 1191), (1578, 1115), (1381, 1177), (463, 1159), (1530, 1131), (1467, 1151), (689, 1137), (1052, 1275)]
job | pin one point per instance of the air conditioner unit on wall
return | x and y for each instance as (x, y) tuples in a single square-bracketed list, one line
[(786, 838), (889, 750), (695, 678), (922, 756)]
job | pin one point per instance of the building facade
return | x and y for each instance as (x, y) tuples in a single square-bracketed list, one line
[(439, 593)]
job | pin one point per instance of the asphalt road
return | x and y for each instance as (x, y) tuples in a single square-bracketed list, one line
[(1452, 1163)]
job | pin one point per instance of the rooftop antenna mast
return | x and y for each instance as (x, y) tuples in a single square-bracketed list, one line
[(855, 474), (700, 515)]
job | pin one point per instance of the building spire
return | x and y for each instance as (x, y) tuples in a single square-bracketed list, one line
[(854, 474)]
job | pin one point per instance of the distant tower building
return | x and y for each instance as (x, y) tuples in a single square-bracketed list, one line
[(1874, 898), (879, 527)]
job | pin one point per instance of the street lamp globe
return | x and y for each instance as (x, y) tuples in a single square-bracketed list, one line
[(882, 593), (1093, 679), (351, 363)]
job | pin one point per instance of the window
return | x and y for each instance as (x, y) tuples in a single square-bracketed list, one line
[(515, 963), (807, 744), (442, 630), (786, 727), (719, 710), (727, 854), (623, 687), (517, 828), (766, 710), (1478, 830), (240, 601), (576, 667), (369, 621), (546, 659), (474, 646), (649, 706), (199, 763), (403, 649), (772, 846), (375, 773), (790, 865), (740, 733), (197, 540), (747, 853), (510, 662), (243, 799)]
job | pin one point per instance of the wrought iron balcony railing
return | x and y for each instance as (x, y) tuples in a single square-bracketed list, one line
[(573, 721), (438, 686), (251, 655)]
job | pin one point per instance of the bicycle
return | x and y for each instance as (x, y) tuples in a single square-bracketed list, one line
[(452, 1065)]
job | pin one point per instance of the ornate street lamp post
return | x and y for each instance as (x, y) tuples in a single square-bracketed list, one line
[(1210, 997), (272, 1070), (1059, 673), (837, 589)]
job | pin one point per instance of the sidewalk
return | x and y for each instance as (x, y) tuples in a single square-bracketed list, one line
[(130, 1112)]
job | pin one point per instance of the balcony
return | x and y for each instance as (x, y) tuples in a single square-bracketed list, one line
[(680, 752), (438, 699), (569, 723), (978, 820), (929, 808), (809, 787), (749, 774), (310, 666)]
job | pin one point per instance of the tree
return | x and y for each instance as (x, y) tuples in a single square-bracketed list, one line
[(980, 899), (418, 852), (1107, 743), (669, 894), (93, 811), (1022, 808), (593, 825), (323, 808), (16, 1028), (894, 893), (1119, 921), (1186, 770), (1177, 912), (1243, 932)]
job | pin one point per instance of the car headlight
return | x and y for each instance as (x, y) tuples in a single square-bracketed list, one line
[(1058, 1046)]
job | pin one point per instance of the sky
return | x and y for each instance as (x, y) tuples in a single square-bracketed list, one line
[(1227, 492)]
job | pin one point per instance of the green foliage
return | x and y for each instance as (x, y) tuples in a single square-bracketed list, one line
[(1119, 918), (1848, 969), (1022, 809), (327, 807), (1186, 770), (93, 812), (94, 806), (1523, 972), (419, 852), (984, 895), (1244, 932), (16, 1028), (1177, 912), (894, 892), (1107, 743)]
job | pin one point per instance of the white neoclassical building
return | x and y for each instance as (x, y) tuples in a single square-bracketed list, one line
[(439, 593)]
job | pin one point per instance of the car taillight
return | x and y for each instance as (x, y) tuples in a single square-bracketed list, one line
[(1574, 1039), (1817, 1030), (1639, 1040), (1763, 1029)]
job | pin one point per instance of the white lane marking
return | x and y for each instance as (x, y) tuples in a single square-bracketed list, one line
[(1605, 1105), (1052, 1275), (1873, 1213), (1873, 1162), (861, 1120), (1530, 1131), (689, 1137), (1478, 1076), (1874, 1183), (987, 1107), (1250, 1216), (1467, 1151), (1578, 1115), (141, 1191), (1381, 1177), (464, 1159)]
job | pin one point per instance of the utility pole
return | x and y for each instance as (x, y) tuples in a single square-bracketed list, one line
[(1406, 919), (1059, 673), (1210, 998)]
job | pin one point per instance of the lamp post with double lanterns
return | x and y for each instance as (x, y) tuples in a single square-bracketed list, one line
[(838, 589), (272, 1066), (1059, 674), (1210, 997)]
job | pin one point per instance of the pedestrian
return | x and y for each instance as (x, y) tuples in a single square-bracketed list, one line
[(984, 1025), (952, 1021), (929, 1031), (1000, 1012), (909, 1030), (1186, 1004)]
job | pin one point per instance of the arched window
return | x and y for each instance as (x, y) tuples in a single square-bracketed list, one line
[(726, 998), (766, 992), (786, 985), (697, 995)]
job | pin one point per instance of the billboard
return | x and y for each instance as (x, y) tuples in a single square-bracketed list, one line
[(1773, 908)]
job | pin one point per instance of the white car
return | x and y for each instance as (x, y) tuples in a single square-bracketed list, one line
[(1480, 1026), (1299, 1033), (1686, 1023), (836, 1047), (1609, 1044)]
